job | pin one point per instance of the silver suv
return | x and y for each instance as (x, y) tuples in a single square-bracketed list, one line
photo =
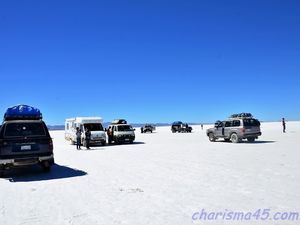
[(235, 129)]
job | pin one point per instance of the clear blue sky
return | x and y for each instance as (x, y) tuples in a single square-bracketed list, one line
[(151, 61)]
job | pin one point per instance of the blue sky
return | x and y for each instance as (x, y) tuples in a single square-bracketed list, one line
[(151, 61)]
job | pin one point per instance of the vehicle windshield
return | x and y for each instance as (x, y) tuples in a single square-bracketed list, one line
[(251, 122), (24, 129), (94, 126), (125, 128)]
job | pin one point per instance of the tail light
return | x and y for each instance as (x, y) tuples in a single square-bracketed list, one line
[(243, 130), (51, 145)]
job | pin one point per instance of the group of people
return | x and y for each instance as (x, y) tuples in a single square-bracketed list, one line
[(87, 138)]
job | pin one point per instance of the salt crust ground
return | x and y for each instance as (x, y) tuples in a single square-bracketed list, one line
[(162, 179)]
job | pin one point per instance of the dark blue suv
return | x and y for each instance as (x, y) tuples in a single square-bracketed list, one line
[(25, 139)]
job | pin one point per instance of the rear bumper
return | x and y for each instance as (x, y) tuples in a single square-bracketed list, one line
[(24, 161), (252, 135)]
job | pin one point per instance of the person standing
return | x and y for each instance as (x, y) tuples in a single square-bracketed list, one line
[(201, 126), (109, 135), (78, 138), (283, 125), (87, 138)]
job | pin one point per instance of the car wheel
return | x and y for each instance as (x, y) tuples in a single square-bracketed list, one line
[(211, 137), (46, 166), (2, 171), (251, 139), (72, 142), (103, 143), (234, 138)]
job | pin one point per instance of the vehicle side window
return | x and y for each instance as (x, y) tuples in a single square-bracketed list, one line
[(236, 123), (228, 123), (115, 128), (251, 122), (220, 124)]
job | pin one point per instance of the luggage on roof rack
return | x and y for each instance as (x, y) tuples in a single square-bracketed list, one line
[(242, 115), (22, 112), (119, 121)]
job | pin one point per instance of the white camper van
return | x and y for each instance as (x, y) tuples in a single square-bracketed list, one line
[(94, 124)]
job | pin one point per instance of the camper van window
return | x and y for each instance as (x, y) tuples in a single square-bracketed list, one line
[(94, 126)]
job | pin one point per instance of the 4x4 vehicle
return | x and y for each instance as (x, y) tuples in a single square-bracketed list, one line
[(25, 139), (235, 129), (120, 132), (181, 127), (147, 128)]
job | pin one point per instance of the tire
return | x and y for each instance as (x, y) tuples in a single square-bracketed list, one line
[(251, 139), (72, 142), (46, 166), (211, 137), (2, 170), (103, 143), (234, 138)]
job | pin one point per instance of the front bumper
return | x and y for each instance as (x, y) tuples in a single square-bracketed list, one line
[(125, 138)]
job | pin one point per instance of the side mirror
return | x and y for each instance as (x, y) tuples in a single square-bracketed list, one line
[(105, 129)]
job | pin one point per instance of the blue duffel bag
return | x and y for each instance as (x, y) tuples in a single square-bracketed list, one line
[(20, 112)]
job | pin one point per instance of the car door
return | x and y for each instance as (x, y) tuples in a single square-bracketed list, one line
[(227, 129), (219, 130)]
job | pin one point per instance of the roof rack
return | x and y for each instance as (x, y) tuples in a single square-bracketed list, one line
[(119, 121), (241, 115), (22, 112)]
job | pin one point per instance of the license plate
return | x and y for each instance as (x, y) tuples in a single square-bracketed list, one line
[(25, 147), (127, 139)]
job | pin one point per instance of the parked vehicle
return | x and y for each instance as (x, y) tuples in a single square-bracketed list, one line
[(147, 128), (25, 139), (235, 129), (94, 124), (181, 127), (121, 132)]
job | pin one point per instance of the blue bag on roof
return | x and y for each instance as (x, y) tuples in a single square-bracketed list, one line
[(20, 112)]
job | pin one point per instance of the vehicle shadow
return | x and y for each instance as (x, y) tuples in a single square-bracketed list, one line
[(34, 173), (258, 142), (250, 143), (102, 148), (134, 143)]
